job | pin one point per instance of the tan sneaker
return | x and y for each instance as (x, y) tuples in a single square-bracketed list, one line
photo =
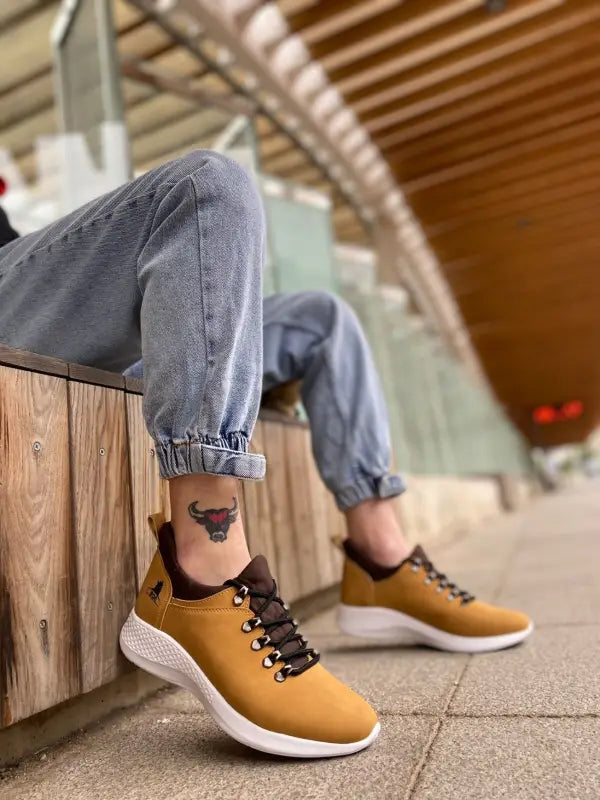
[(416, 604), (236, 648)]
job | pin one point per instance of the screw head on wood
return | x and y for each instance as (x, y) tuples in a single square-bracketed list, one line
[(37, 447), (151, 451), (109, 605), (43, 623), (102, 451)]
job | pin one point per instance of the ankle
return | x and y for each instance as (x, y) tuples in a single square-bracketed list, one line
[(209, 534), (374, 532), (212, 569)]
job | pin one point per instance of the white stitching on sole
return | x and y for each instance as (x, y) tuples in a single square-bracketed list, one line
[(158, 653), (390, 626)]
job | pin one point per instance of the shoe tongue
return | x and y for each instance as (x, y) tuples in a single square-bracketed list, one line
[(256, 575), (418, 552)]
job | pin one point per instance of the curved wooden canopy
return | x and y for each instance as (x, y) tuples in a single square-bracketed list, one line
[(488, 120)]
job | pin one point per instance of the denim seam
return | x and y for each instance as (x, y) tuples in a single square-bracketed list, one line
[(202, 293), (84, 225)]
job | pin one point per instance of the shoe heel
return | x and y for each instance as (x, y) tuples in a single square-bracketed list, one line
[(155, 652), (369, 622)]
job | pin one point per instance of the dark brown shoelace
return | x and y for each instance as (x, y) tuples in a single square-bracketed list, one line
[(281, 631), (442, 580)]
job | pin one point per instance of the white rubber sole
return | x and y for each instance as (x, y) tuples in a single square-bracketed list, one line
[(158, 653), (394, 627)]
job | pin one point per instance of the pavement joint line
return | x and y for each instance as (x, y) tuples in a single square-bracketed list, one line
[(524, 715), (541, 625), (515, 715), (417, 772)]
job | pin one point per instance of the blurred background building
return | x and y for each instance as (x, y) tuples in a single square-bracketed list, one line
[(436, 162)]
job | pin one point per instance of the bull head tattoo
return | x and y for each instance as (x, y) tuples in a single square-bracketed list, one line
[(215, 520)]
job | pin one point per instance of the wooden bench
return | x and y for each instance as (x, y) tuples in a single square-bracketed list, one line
[(78, 478)]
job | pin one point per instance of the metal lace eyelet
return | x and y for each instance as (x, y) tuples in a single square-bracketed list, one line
[(283, 673), (415, 567), (250, 624), (428, 580), (240, 596), (261, 642), (270, 661), (450, 597), (439, 589)]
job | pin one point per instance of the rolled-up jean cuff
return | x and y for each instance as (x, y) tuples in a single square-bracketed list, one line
[(188, 458), (366, 488)]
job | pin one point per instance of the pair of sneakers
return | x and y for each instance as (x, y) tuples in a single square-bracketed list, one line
[(237, 648)]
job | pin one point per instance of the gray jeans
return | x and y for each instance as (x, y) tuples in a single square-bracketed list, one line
[(169, 265)]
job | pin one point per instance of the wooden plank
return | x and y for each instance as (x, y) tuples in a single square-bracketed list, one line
[(102, 527), (149, 494), (472, 29), (395, 25), (99, 377), (476, 104), (134, 385), (259, 528), (38, 631), (520, 150), (476, 60), (530, 119), (11, 357), (301, 503), (282, 524), (322, 525)]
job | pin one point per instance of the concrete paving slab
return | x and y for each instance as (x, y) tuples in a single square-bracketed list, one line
[(549, 599), (182, 757), (513, 759), (396, 680), (555, 672), (561, 553)]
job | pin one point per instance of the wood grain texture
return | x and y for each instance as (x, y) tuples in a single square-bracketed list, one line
[(32, 361), (102, 527), (304, 503), (257, 520), (38, 639), (100, 377), (149, 493), (282, 522)]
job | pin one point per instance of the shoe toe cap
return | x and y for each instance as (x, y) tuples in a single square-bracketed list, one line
[(330, 711)]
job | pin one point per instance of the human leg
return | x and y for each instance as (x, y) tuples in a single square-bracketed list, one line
[(389, 590), (176, 265), (169, 264)]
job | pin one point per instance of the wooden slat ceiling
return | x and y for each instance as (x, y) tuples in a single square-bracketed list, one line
[(161, 125), (491, 123)]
